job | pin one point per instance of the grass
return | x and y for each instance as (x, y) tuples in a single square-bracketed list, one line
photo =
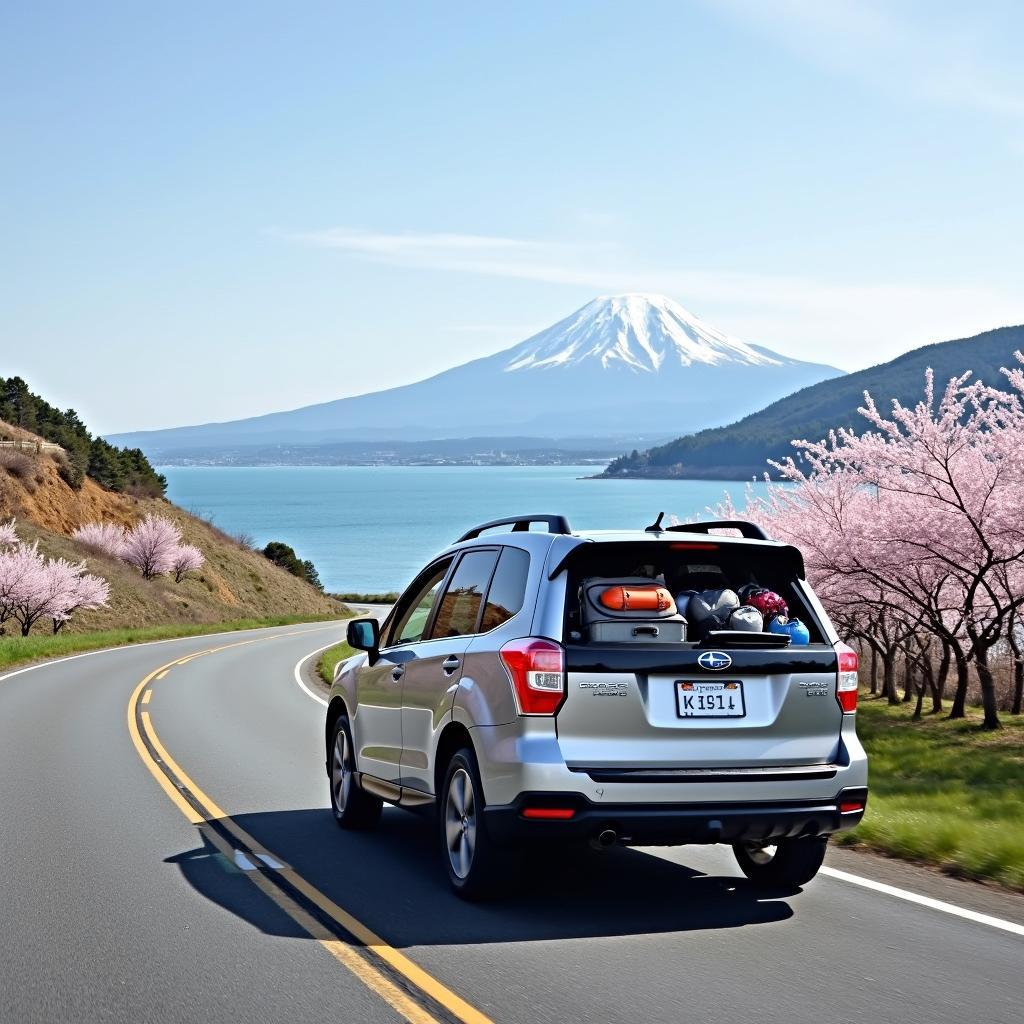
[(15, 650), (329, 660), (944, 792)]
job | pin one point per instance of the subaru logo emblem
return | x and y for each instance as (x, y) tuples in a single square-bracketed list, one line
[(714, 661)]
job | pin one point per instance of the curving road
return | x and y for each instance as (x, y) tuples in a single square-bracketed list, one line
[(168, 855)]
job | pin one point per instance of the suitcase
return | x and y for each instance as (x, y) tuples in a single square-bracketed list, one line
[(630, 610)]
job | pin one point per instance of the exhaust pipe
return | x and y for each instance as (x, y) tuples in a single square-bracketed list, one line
[(605, 838)]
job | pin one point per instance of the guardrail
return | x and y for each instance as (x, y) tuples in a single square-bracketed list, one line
[(32, 446)]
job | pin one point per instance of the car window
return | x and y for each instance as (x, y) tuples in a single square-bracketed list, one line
[(508, 588), (413, 612), (460, 606)]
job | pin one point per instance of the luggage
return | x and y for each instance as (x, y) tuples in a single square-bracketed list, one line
[(708, 610), (767, 602), (798, 633), (634, 610), (746, 619)]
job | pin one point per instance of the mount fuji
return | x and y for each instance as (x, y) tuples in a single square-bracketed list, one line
[(622, 366)]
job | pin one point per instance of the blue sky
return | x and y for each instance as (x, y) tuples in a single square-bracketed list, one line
[(215, 210)]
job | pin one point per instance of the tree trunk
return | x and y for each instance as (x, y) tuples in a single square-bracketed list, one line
[(1018, 685), (963, 679), (939, 691), (874, 671), (920, 701), (908, 679), (988, 691), (889, 688)]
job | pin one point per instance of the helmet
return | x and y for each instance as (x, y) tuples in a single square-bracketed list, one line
[(768, 603)]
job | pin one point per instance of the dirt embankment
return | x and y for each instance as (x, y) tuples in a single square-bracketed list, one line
[(236, 582)]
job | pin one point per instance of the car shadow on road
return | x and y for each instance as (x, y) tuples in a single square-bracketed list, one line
[(393, 881)]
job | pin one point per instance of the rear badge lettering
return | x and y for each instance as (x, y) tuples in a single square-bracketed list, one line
[(814, 689), (606, 689)]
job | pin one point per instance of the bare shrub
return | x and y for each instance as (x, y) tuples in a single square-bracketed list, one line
[(245, 541), (19, 465)]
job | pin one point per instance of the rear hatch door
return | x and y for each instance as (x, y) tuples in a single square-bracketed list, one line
[(669, 706)]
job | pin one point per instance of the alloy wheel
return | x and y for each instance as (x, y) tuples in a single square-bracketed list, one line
[(460, 822), (341, 777)]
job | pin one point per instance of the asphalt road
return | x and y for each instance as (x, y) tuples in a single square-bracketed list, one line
[(136, 805)]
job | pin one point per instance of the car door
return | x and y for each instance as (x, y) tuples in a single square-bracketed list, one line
[(377, 723), (432, 675)]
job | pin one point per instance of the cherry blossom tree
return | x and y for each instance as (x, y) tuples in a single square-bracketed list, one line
[(151, 546), (76, 590), (187, 558), (104, 538), (30, 586), (8, 537), (912, 532)]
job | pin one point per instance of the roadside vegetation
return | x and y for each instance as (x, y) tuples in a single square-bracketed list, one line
[(944, 792), (17, 650), (28, 418), (284, 555), (390, 597), (329, 661), (102, 558)]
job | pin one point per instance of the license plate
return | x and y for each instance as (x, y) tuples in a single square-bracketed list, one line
[(704, 699)]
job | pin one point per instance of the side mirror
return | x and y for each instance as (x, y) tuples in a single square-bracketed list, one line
[(364, 635)]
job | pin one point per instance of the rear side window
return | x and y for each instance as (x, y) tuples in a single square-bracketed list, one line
[(460, 606), (508, 588)]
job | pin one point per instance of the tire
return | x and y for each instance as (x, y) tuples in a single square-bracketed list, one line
[(476, 866), (787, 863), (353, 807)]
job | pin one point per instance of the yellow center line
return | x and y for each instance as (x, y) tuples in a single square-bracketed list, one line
[(146, 696), (341, 951), (162, 674)]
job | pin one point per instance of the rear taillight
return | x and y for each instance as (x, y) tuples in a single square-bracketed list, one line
[(536, 668), (846, 681)]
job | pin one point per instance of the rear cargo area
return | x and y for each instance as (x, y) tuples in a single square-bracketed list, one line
[(750, 690)]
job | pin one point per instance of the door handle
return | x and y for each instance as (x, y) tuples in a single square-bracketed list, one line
[(450, 664), (397, 672)]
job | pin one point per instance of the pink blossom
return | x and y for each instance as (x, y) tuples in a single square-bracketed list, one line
[(188, 558), (104, 538), (77, 591), (912, 530), (27, 586), (8, 538), (151, 546)]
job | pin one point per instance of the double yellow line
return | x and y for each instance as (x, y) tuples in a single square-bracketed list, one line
[(366, 953)]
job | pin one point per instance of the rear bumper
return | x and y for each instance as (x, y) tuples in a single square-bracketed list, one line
[(670, 824)]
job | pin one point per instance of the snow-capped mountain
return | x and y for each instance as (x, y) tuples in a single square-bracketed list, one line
[(636, 332), (636, 366)]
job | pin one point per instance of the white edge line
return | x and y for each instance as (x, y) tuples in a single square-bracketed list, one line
[(298, 673), (925, 901), (46, 663)]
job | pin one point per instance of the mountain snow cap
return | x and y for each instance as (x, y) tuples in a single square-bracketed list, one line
[(635, 331)]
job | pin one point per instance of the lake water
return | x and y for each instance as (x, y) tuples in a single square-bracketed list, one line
[(370, 528)]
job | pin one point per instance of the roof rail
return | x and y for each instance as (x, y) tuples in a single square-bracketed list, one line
[(751, 531), (520, 524)]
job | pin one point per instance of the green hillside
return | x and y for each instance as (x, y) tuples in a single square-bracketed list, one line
[(741, 450)]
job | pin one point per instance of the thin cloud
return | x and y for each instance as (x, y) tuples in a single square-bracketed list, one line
[(849, 324)]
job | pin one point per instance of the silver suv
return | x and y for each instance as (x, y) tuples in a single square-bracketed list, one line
[(484, 700)]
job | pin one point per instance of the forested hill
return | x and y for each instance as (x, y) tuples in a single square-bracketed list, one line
[(117, 469), (741, 450)]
